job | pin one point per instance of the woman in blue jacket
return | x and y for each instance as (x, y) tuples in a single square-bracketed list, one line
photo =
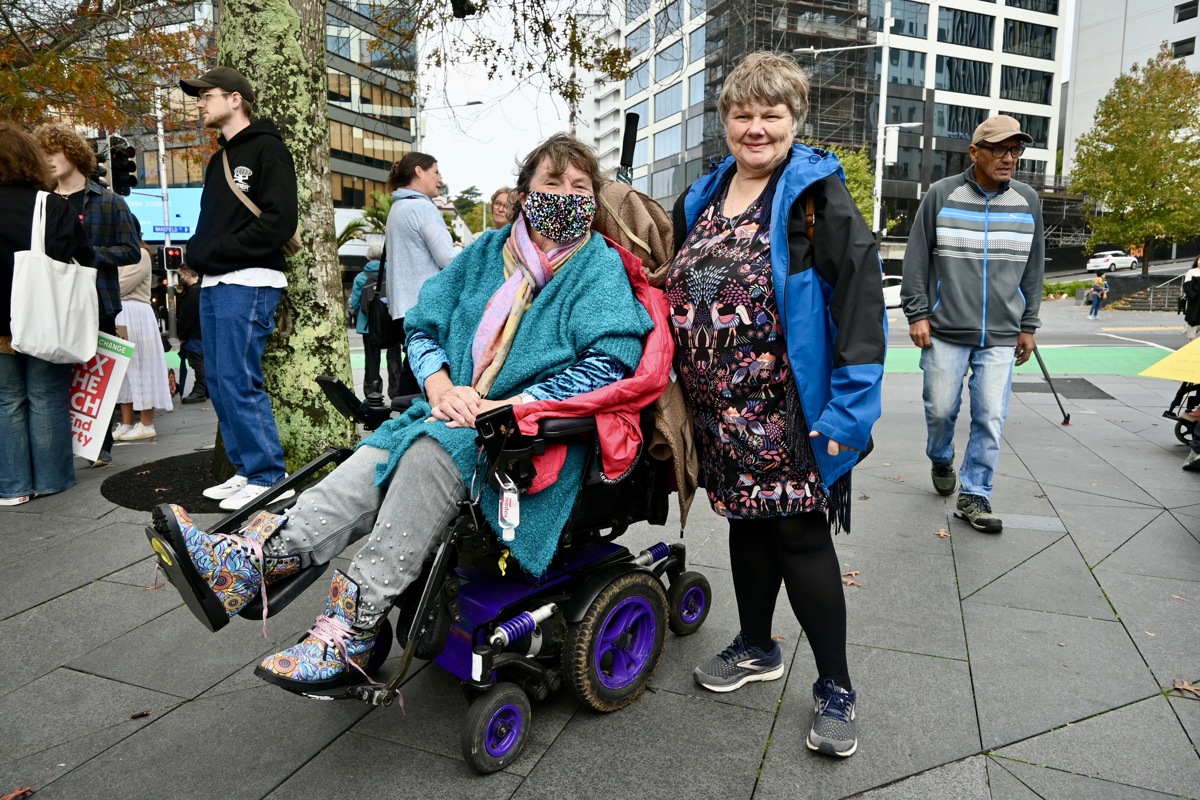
[(778, 319), (372, 382)]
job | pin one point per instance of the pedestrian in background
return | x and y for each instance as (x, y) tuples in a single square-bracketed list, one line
[(106, 219), (187, 326), (1097, 293), (146, 386), (501, 215), (419, 245), (972, 290), (238, 255), (1191, 297), (366, 284), (778, 419), (35, 416)]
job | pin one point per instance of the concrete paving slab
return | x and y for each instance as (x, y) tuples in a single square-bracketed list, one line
[(1055, 579), (1162, 626), (1099, 530), (907, 601), (45, 766), (27, 533), (58, 631), (899, 522), (981, 558), (1060, 785), (699, 747), (140, 574), (177, 655), (1189, 518), (262, 737), (52, 571), (435, 710), (1034, 671), (1099, 747), (893, 702), (1187, 708), (64, 706), (1006, 786), (961, 780), (1163, 549), (386, 769)]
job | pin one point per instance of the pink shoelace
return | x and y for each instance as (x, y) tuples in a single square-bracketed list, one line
[(257, 552), (335, 633)]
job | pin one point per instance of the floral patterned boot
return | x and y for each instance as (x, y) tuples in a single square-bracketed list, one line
[(217, 574), (333, 653)]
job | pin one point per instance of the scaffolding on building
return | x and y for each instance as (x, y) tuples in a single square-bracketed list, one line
[(842, 86)]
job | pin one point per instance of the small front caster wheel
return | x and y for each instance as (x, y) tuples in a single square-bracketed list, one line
[(689, 599), (494, 731)]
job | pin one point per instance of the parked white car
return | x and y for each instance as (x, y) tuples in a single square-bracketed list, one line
[(891, 291), (1108, 260)]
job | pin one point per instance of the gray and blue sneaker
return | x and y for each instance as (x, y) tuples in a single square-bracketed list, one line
[(739, 664), (834, 731)]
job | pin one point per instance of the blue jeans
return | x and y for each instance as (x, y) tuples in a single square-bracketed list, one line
[(1095, 312), (235, 323), (35, 427), (945, 364)]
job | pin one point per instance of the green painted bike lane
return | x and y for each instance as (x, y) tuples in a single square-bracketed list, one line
[(1060, 360)]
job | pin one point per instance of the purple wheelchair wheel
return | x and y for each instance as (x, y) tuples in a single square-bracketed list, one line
[(611, 654), (690, 598), (496, 727)]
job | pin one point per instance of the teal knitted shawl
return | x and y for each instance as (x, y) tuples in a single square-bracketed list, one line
[(587, 305)]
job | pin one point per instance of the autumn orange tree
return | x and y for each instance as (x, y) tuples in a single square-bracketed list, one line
[(98, 62)]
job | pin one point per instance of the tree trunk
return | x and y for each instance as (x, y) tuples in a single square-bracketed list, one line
[(280, 47)]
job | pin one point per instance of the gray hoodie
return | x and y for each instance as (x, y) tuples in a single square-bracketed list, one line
[(975, 262)]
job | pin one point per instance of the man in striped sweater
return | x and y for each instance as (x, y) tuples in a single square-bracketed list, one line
[(971, 292)]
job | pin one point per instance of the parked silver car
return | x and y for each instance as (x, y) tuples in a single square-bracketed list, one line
[(1109, 260)]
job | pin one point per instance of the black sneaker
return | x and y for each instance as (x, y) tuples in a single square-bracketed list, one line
[(945, 481), (977, 510), (1192, 462), (834, 731), (739, 664)]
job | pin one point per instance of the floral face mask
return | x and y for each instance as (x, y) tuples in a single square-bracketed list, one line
[(560, 217)]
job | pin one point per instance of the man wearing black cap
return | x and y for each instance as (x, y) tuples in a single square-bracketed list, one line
[(972, 291), (236, 251)]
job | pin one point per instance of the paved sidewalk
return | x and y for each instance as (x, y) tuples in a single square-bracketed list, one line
[(1036, 663)]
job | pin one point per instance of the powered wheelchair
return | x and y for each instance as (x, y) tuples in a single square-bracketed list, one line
[(596, 620)]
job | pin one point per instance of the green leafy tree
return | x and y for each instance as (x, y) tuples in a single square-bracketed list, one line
[(474, 218), (1137, 166), (860, 175), (466, 200)]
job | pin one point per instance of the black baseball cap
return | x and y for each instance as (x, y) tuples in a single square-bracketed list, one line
[(225, 78)]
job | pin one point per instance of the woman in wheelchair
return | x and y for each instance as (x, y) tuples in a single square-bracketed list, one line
[(540, 310)]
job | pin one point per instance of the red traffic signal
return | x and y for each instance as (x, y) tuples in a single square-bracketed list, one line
[(173, 256)]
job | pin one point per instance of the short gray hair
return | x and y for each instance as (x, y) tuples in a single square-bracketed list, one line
[(374, 252), (771, 80)]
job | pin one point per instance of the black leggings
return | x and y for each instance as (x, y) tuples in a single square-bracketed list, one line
[(797, 551)]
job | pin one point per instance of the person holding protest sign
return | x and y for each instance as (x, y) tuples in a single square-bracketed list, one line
[(35, 421)]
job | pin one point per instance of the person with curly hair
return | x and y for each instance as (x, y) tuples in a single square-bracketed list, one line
[(106, 219), (35, 416)]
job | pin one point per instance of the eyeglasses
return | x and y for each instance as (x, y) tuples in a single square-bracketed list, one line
[(208, 96), (999, 150)]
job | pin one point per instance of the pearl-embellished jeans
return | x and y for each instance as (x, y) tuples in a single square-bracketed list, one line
[(401, 521)]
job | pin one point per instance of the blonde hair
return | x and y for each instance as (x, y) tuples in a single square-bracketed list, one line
[(768, 79)]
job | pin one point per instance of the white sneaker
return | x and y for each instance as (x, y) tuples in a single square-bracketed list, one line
[(121, 430), (227, 489), (248, 494), (137, 433), (13, 501)]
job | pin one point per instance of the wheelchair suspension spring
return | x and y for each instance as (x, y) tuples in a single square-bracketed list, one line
[(653, 554), (508, 632)]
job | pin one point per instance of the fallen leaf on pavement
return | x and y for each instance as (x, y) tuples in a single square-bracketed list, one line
[(1177, 597), (896, 479), (942, 533), (848, 578), (152, 588), (1186, 686), (864, 497), (1038, 494), (143, 472), (778, 638), (19, 793), (1062, 644), (887, 463), (160, 490), (1148, 633), (140, 714)]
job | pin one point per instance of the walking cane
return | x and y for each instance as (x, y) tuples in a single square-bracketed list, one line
[(1042, 364)]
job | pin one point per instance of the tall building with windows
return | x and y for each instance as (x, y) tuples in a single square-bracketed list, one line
[(1110, 37), (951, 64), (371, 124)]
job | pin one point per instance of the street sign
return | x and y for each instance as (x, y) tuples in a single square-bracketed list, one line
[(172, 229)]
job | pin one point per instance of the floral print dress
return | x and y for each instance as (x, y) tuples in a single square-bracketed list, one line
[(731, 358)]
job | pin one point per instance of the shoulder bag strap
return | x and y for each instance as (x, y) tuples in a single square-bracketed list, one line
[(246, 201), (37, 231)]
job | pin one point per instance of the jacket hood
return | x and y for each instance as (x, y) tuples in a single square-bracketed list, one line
[(260, 127), (404, 191), (371, 267)]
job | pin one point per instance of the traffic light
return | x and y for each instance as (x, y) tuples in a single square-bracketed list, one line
[(99, 174), (124, 167), (173, 257)]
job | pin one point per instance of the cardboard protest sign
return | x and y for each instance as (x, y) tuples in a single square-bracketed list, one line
[(94, 388)]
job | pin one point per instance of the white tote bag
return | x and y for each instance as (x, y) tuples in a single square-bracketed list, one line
[(55, 310)]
